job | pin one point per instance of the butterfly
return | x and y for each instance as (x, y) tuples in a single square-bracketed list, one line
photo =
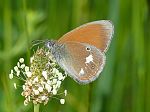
[(81, 52)]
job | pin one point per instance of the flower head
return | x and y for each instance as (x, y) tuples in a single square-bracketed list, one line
[(62, 101), (42, 79)]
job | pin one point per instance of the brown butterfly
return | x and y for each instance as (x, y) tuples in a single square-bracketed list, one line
[(81, 52)]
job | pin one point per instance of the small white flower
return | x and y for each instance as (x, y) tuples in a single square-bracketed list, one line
[(60, 76), (44, 73), (49, 82), (42, 82), (21, 60), (35, 101), (48, 87), (43, 98), (18, 64), (55, 71), (54, 81), (18, 73), (62, 101), (58, 84), (54, 87), (65, 92), (40, 89), (16, 68), (25, 103), (22, 66), (29, 74), (54, 91), (22, 93), (26, 69), (15, 86), (11, 76), (36, 92), (46, 101), (35, 79), (31, 59), (23, 86), (30, 83), (12, 71)]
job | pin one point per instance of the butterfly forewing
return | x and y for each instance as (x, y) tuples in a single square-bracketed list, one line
[(96, 33), (84, 62)]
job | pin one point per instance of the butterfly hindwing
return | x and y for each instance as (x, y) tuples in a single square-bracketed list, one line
[(82, 61)]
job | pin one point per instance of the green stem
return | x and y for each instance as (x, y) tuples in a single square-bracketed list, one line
[(36, 107)]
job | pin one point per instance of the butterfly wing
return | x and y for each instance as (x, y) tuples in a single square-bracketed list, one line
[(97, 33), (82, 61)]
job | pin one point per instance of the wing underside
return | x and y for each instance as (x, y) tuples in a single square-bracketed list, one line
[(97, 33), (82, 65)]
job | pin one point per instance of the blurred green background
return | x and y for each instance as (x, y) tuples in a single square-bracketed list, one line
[(123, 86)]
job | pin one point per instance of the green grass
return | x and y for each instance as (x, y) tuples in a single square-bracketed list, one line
[(124, 85)]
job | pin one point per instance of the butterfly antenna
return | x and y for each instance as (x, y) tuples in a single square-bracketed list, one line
[(37, 42)]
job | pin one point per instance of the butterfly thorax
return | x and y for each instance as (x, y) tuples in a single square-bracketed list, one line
[(57, 49)]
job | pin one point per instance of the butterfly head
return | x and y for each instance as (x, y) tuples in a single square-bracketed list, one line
[(50, 44)]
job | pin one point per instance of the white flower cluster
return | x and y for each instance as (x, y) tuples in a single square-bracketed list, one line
[(21, 71), (42, 79)]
